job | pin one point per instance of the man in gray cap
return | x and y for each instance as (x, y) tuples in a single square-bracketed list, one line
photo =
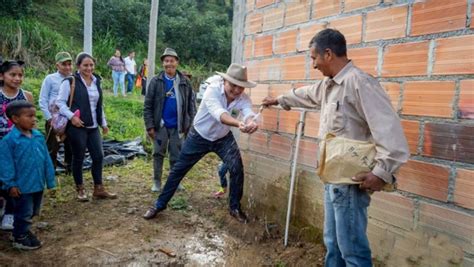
[(48, 94), (211, 133), (169, 110)]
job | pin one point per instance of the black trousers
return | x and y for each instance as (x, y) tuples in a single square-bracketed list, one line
[(80, 139)]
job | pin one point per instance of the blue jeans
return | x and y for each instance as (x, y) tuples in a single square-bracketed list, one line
[(119, 79), (222, 174), (345, 226), (25, 208), (130, 82), (194, 148)]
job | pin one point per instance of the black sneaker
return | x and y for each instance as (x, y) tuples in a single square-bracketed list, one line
[(26, 242)]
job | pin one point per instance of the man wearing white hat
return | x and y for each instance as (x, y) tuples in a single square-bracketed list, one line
[(211, 133)]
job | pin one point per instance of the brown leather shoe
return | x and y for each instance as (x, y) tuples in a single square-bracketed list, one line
[(150, 213), (99, 192), (239, 215), (81, 193)]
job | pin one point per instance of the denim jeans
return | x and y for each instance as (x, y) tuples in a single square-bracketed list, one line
[(119, 80), (345, 226), (222, 174), (166, 139), (130, 82), (25, 208), (80, 139), (194, 148)]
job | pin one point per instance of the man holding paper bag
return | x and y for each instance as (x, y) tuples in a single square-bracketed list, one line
[(360, 132)]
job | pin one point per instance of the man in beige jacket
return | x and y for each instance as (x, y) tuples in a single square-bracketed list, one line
[(354, 106)]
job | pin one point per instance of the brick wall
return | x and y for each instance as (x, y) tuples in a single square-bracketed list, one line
[(423, 54)]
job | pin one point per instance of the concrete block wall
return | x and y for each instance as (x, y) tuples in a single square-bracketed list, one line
[(423, 54)]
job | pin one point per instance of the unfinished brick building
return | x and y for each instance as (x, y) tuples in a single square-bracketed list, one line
[(423, 54)]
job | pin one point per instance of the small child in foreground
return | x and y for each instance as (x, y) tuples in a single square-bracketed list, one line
[(26, 170)]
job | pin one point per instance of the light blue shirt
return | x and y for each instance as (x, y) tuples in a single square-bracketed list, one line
[(25, 162), (92, 91), (214, 103), (49, 92)]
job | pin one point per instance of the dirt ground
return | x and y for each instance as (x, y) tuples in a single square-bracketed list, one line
[(196, 227)]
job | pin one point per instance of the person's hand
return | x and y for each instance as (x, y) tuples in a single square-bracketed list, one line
[(151, 133), (251, 126), (14, 192), (269, 101), (370, 181), (242, 127), (77, 122), (105, 130)]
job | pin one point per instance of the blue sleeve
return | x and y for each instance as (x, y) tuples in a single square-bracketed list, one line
[(44, 97), (49, 169), (7, 175)]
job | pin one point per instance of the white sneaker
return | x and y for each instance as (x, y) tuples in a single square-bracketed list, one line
[(7, 222)]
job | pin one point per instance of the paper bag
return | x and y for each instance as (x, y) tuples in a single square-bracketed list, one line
[(342, 158)]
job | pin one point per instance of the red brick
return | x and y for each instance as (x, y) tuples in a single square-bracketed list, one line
[(466, 100), (438, 16), (294, 68), (269, 119), (288, 121), (350, 5), (393, 91), (428, 98), (311, 127), (325, 8), (279, 89), (449, 141), (286, 42), (263, 46), (412, 134), (306, 34), (464, 191), (258, 142), (297, 13), (280, 146), (456, 224), (454, 56), (270, 69), (243, 141), (351, 27), (253, 70), (249, 5), (386, 23), (258, 93), (424, 179), (409, 59), (262, 3), (273, 18), (365, 58), (248, 48), (393, 209), (307, 154), (254, 23)]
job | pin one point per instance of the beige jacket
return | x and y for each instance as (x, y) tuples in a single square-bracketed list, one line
[(354, 105)]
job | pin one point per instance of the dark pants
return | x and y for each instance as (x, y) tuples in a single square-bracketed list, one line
[(9, 202), (53, 147), (130, 82), (222, 174), (80, 139), (25, 208), (166, 140), (194, 148), (143, 86)]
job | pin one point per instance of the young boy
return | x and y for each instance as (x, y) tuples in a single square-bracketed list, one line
[(26, 169)]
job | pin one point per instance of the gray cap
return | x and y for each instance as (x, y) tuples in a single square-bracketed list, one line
[(169, 52)]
